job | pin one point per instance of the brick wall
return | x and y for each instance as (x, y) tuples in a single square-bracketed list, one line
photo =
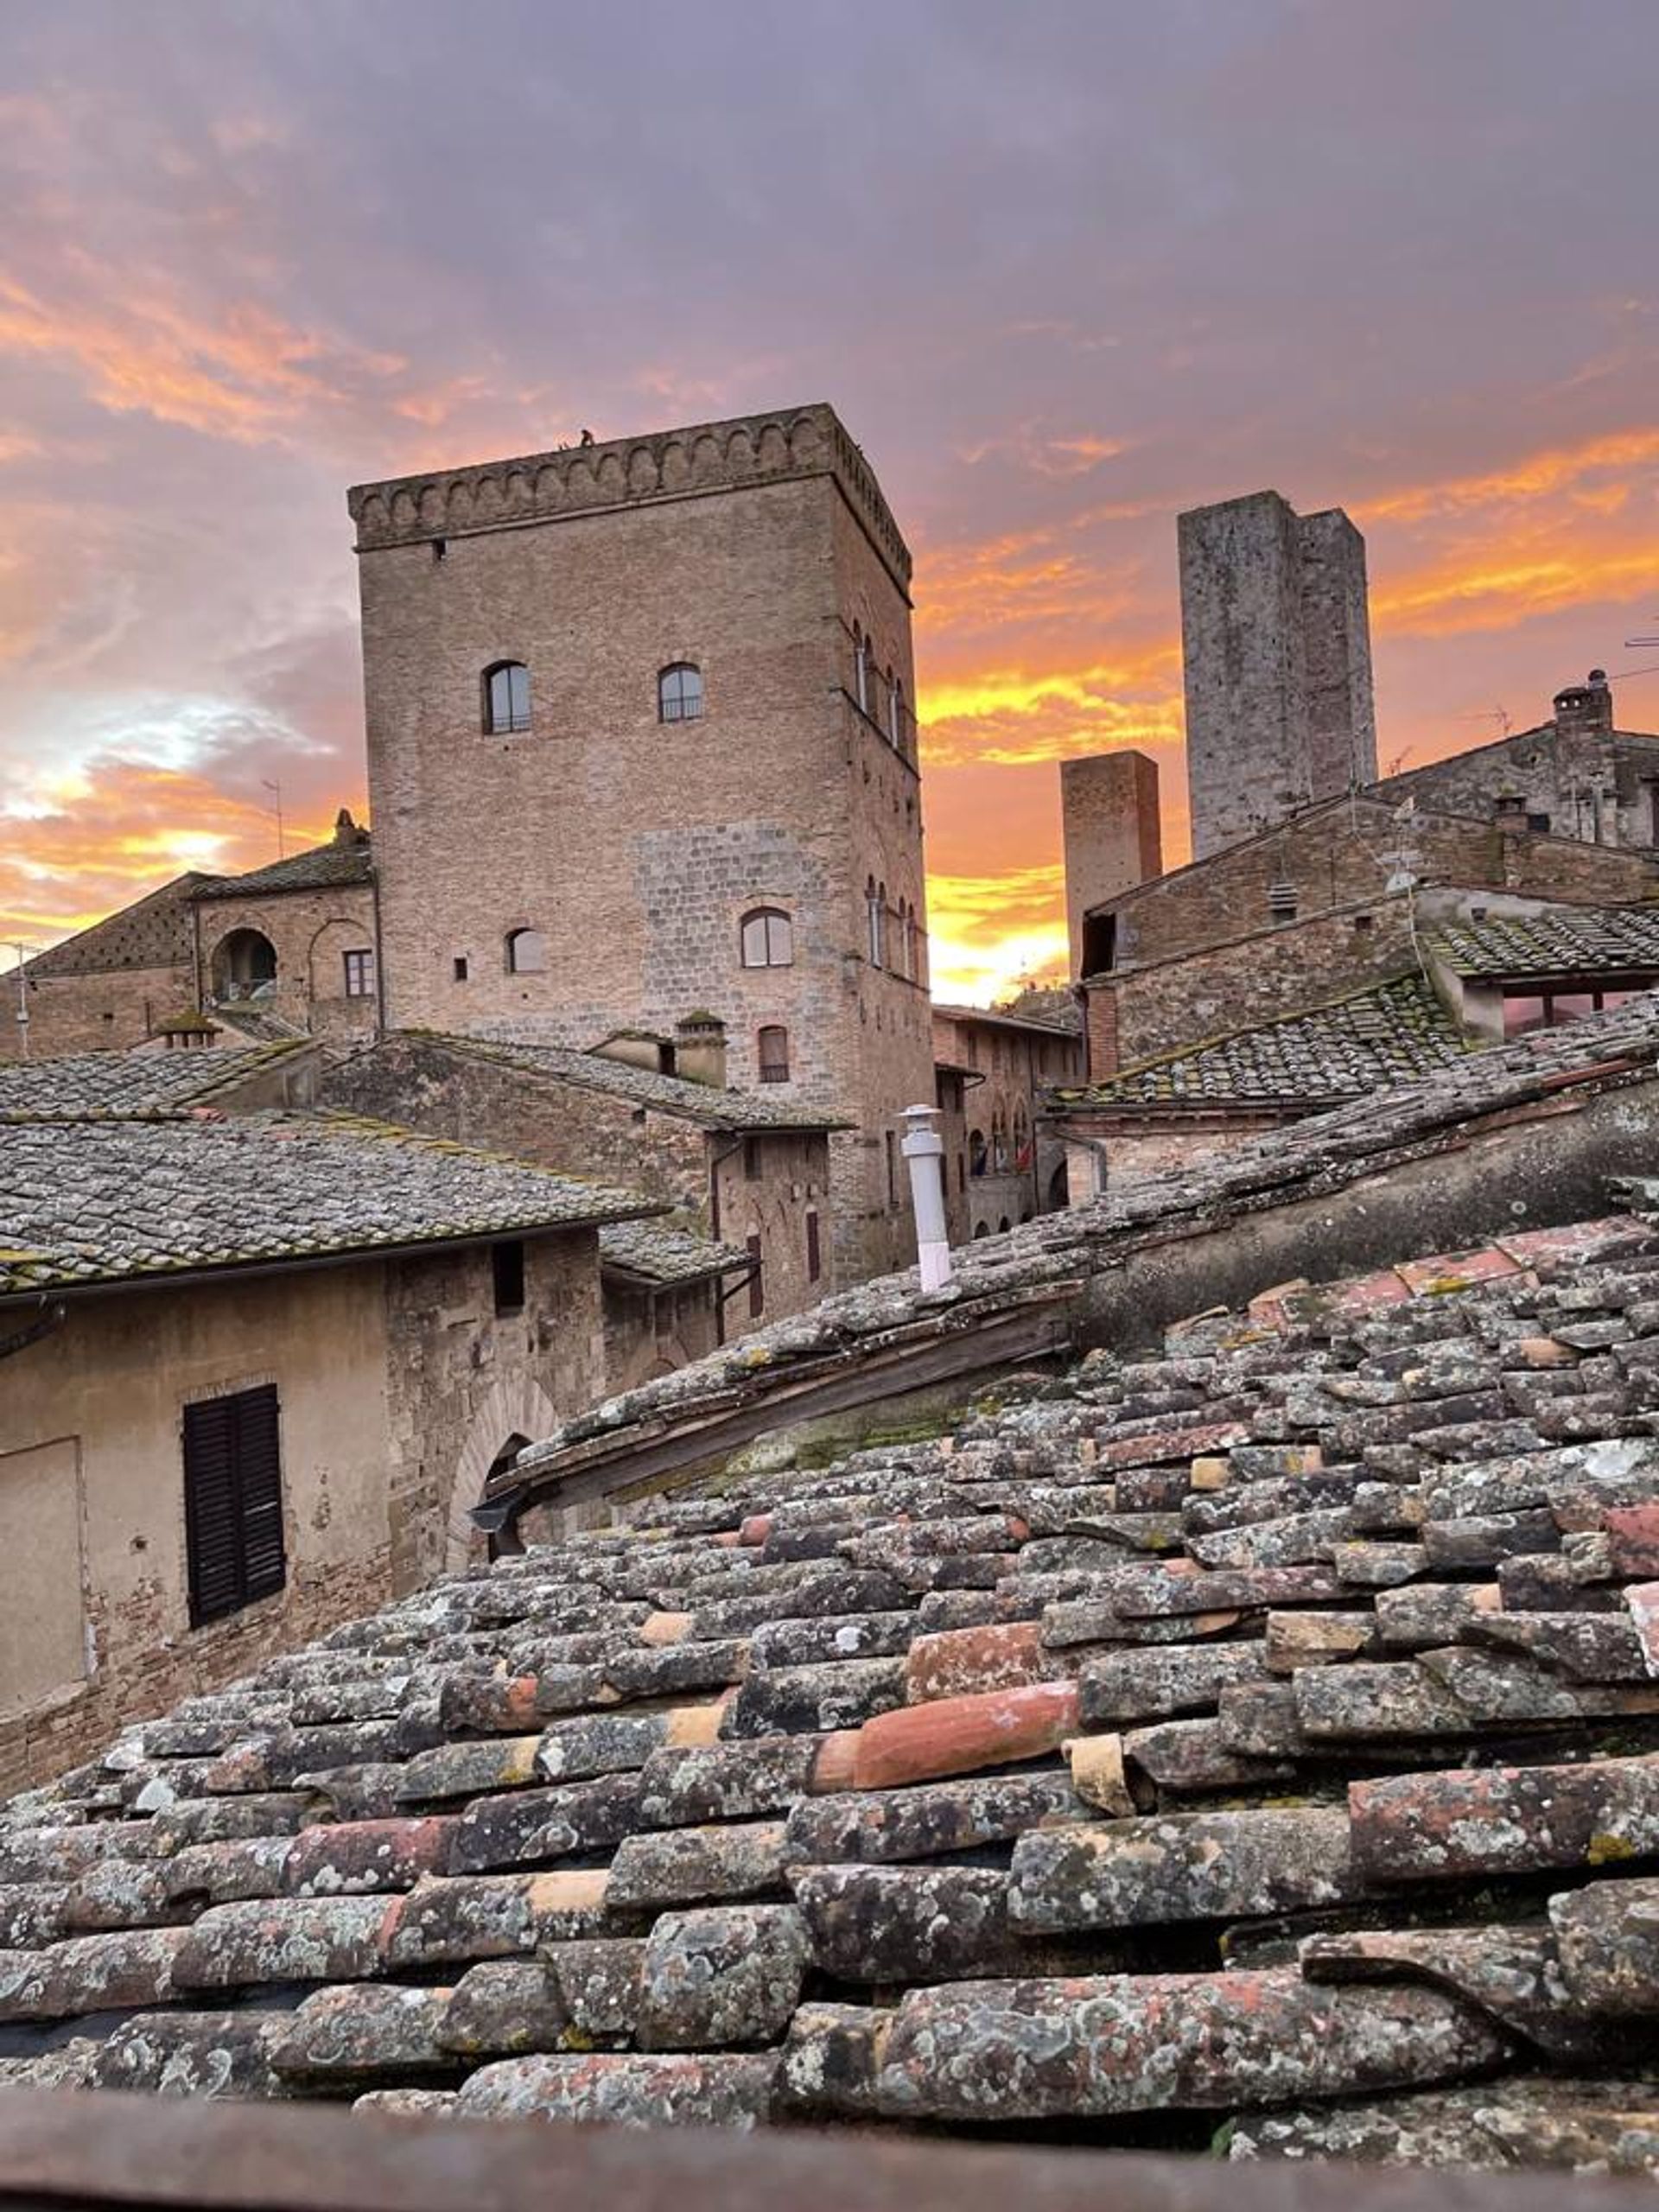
[(107, 1012), (311, 932), (462, 1380)]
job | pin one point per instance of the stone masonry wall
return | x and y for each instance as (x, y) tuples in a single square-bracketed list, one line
[(462, 1380), (1111, 833), (1345, 856), (1255, 979)]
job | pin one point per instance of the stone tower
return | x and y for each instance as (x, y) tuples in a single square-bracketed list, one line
[(1108, 817), (1276, 647), (640, 747)]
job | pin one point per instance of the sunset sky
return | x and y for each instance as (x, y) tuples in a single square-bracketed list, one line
[(1064, 267)]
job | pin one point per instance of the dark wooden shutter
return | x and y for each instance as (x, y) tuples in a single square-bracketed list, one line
[(232, 1503), (259, 1469)]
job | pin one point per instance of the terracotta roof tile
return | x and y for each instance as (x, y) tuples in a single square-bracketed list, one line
[(731, 1812)]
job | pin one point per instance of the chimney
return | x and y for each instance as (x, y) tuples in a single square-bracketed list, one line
[(347, 831), (1586, 709), (700, 1049)]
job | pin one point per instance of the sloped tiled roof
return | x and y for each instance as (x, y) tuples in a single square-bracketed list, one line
[(667, 1257), (93, 1203), (153, 933), (321, 867), (1260, 1735), (84, 1086), (1562, 940), (667, 1094), (1390, 1032)]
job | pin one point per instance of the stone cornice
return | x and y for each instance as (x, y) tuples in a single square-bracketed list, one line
[(630, 472)]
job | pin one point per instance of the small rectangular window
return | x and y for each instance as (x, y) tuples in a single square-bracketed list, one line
[(751, 1159), (461, 967), (1539, 822), (507, 1267), (814, 1255), (773, 1045), (232, 1503), (359, 975), (757, 1287), (893, 1170)]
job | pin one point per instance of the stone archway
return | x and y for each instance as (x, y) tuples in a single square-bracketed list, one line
[(521, 1409), (244, 966)]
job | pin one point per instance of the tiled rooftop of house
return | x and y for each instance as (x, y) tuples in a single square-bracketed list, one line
[(83, 1086), (667, 1094), (665, 1256), (348, 858), (92, 1202), (1389, 1034), (1258, 1736), (1319, 1156), (1560, 941), (153, 933)]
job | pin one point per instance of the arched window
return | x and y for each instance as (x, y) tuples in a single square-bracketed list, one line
[(862, 668), (896, 713), (976, 1157), (907, 939), (875, 902), (526, 952), (679, 693), (506, 698), (767, 939), (772, 1053)]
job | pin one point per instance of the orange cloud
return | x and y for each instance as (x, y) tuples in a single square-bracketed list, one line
[(988, 934), (133, 828), (1537, 476)]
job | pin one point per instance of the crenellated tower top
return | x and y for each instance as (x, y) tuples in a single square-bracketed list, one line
[(631, 471)]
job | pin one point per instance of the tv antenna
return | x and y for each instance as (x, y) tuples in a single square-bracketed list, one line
[(1498, 715), (277, 791)]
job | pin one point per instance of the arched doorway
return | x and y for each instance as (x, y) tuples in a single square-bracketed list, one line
[(244, 966)]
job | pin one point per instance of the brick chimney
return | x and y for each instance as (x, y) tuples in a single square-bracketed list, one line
[(700, 1049), (1586, 709)]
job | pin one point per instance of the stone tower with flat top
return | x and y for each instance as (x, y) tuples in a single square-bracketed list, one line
[(641, 746), (1276, 650)]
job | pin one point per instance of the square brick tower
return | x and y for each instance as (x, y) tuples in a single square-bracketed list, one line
[(641, 746), (1113, 838), (1276, 646)]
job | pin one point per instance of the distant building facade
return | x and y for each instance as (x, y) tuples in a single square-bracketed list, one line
[(991, 1068), (641, 743), (287, 951)]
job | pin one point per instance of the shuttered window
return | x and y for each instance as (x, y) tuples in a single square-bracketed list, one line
[(232, 1503)]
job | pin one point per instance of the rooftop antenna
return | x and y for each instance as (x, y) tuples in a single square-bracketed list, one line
[(282, 850), (1500, 715)]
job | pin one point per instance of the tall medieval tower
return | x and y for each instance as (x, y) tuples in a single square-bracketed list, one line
[(641, 746), (1276, 646)]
